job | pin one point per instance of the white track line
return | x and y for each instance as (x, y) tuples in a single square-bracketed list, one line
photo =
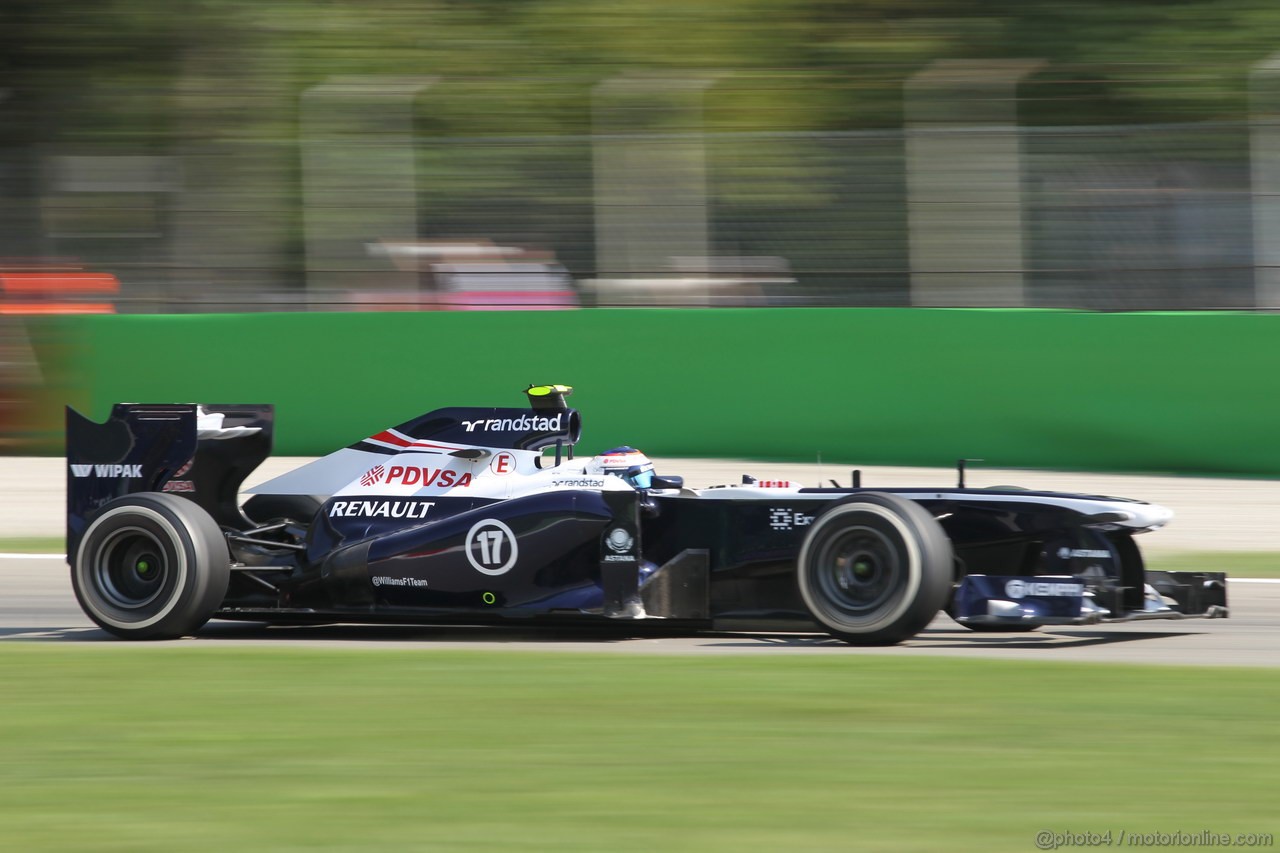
[(63, 558)]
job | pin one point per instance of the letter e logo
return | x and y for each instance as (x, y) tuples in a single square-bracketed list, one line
[(503, 463)]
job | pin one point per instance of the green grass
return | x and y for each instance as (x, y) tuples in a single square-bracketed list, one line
[(1237, 564), (32, 544), (164, 748)]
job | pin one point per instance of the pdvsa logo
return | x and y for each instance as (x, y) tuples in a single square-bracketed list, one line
[(414, 475)]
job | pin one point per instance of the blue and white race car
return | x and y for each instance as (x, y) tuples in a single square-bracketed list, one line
[(484, 515)]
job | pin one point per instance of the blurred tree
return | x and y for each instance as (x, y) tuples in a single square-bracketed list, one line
[(219, 82), (817, 64)]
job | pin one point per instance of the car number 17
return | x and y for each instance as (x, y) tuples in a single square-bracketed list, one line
[(491, 547)]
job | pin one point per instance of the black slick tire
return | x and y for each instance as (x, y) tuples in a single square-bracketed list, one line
[(151, 566), (875, 569)]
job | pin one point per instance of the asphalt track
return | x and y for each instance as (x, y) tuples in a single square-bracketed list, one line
[(36, 602)]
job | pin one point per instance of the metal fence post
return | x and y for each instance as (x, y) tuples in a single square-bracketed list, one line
[(358, 181), (1264, 157), (650, 174), (964, 183)]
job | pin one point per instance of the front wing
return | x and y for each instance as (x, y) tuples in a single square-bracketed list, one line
[(1032, 601)]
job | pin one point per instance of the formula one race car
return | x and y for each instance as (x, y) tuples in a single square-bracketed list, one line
[(483, 516)]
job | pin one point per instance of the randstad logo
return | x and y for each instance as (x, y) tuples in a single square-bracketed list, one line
[(412, 475), (525, 423), (131, 471)]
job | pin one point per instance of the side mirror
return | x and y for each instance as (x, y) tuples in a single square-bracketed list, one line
[(666, 482)]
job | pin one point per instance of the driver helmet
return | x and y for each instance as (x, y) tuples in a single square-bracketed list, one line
[(625, 462)]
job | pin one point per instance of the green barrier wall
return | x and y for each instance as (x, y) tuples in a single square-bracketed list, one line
[(1188, 392)]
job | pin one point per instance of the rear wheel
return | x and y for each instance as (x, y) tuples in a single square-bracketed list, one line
[(151, 566), (875, 569)]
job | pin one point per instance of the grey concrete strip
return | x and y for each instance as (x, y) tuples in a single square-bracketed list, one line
[(1211, 514), (32, 496)]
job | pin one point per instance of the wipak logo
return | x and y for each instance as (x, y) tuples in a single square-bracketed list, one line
[(111, 471)]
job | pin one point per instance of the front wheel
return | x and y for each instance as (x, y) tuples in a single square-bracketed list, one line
[(151, 566), (875, 569)]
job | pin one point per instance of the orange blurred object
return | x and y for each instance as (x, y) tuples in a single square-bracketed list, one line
[(57, 292)]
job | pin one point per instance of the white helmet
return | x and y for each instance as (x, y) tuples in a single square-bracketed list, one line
[(625, 462)]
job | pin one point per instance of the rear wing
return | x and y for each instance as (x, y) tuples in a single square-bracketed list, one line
[(201, 452)]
